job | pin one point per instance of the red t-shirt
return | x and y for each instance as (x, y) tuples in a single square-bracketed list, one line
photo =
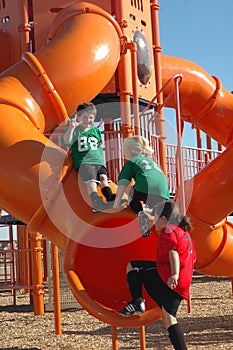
[(173, 237)]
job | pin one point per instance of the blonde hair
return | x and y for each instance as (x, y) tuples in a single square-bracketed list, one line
[(137, 145)]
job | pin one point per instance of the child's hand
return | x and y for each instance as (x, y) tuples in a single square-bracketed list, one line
[(172, 281), (72, 122)]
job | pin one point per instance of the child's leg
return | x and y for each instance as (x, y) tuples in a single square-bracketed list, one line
[(106, 189), (97, 203), (137, 199), (88, 174), (176, 336), (92, 191), (136, 205), (92, 187), (134, 282), (175, 332), (137, 305)]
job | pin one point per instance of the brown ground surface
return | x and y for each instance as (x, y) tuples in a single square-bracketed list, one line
[(209, 326)]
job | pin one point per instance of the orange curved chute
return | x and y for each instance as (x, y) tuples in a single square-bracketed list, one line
[(204, 101), (97, 272), (38, 184), (39, 92), (207, 105)]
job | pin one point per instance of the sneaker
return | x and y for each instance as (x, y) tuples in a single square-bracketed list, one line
[(134, 307), (100, 205), (111, 198), (145, 224)]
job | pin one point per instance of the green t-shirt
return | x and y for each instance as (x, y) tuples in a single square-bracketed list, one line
[(148, 176), (86, 146)]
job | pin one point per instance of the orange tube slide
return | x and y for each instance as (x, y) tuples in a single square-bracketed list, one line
[(206, 104), (36, 95), (38, 184)]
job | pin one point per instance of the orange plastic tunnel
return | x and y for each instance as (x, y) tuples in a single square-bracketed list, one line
[(38, 184), (208, 106)]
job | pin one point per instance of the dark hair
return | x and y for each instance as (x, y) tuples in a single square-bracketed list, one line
[(172, 213), (88, 107)]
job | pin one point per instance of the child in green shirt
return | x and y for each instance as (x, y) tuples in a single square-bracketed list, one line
[(150, 186), (85, 142)]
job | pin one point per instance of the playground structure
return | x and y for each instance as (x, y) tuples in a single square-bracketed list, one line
[(57, 55)]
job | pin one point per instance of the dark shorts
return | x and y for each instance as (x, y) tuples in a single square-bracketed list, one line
[(163, 295), (90, 172), (150, 199)]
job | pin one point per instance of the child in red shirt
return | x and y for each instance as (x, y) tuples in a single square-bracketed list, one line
[(168, 279)]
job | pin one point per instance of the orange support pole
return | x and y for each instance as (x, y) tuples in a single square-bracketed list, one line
[(56, 290), (24, 26), (23, 257), (12, 263), (142, 338), (45, 262), (133, 51), (180, 166), (124, 91), (158, 78), (199, 145), (114, 338), (38, 288), (179, 158)]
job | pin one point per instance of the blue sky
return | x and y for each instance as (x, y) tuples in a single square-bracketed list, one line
[(200, 31)]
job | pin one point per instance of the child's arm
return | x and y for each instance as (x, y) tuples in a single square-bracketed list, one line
[(68, 132), (120, 191), (175, 269)]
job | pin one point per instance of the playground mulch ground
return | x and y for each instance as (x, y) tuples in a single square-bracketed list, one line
[(208, 326)]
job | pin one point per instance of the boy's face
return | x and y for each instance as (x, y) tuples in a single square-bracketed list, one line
[(86, 119)]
